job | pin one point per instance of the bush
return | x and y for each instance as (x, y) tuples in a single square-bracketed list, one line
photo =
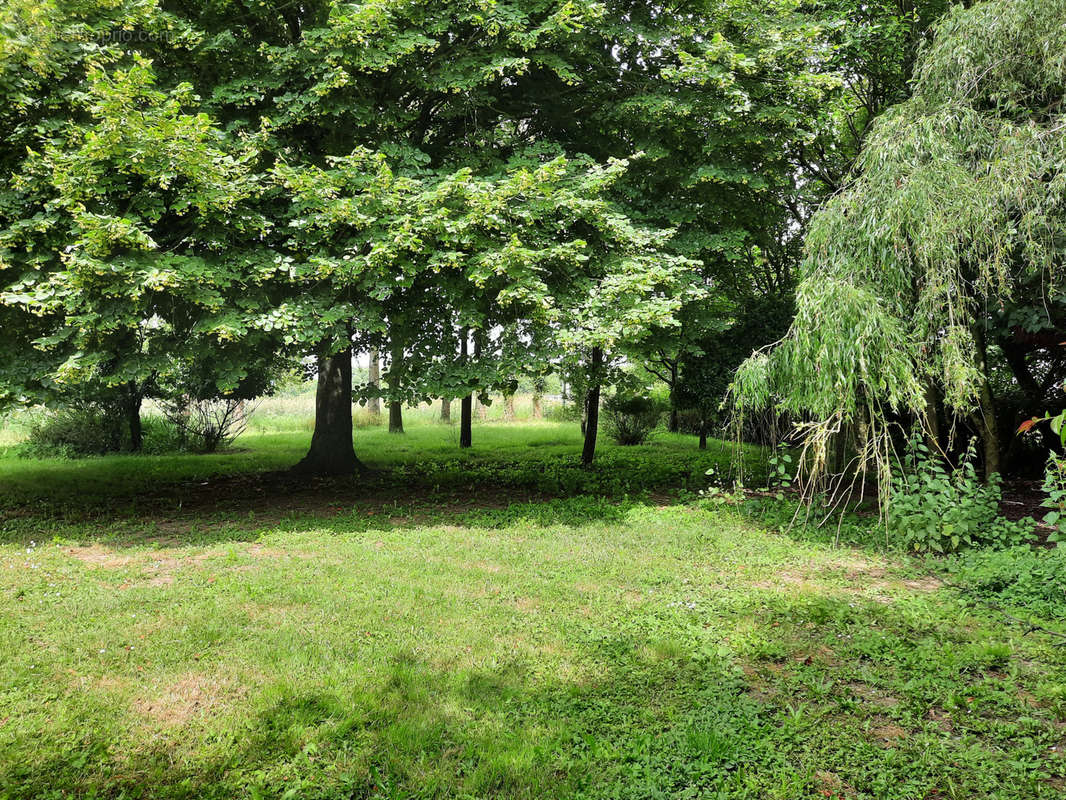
[(160, 436), (91, 429), (631, 419), (1018, 576), (207, 425), (932, 509), (95, 430), (1055, 486)]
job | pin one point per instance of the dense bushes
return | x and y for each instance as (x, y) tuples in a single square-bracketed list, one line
[(934, 509), (629, 419), (95, 430), (83, 430)]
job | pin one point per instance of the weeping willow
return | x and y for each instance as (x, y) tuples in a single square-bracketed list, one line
[(958, 198)]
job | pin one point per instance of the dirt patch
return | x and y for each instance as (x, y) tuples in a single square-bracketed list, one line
[(871, 694), (863, 579), (527, 605), (191, 695), (98, 556), (262, 551), (886, 733), (942, 719), (483, 566)]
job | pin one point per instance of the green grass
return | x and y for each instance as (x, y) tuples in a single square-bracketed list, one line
[(460, 626)]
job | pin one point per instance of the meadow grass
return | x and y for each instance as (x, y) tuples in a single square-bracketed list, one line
[(482, 624)]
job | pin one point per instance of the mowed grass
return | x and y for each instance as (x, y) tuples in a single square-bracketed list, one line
[(416, 634)]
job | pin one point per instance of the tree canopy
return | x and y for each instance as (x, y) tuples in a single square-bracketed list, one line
[(957, 206)]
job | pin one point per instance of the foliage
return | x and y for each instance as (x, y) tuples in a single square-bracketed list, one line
[(630, 418), (943, 510), (1021, 576), (958, 202), (207, 425), (1055, 502), (1054, 475), (94, 429), (88, 429)]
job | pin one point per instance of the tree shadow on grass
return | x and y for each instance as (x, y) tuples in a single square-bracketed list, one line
[(644, 712)]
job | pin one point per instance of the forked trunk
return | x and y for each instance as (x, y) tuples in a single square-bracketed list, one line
[(332, 451)]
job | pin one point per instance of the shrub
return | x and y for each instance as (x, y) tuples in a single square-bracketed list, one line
[(1018, 576), (1055, 486), (208, 425), (160, 436), (933, 509), (76, 431), (631, 418)]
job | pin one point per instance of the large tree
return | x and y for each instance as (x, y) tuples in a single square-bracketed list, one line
[(957, 208)]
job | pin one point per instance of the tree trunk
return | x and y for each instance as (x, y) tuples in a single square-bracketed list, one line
[(332, 451), (538, 394), (374, 406), (703, 434), (465, 415), (932, 419), (395, 416), (985, 418), (592, 408), (674, 424), (466, 404), (445, 409), (131, 408), (508, 407)]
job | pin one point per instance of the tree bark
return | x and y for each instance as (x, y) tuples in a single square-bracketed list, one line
[(332, 451), (538, 393), (445, 409), (703, 434), (674, 424), (508, 407), (466, 404), (985, 418), (932, 418), (131, 408), (592, 407), (395, 416), (374, 406)]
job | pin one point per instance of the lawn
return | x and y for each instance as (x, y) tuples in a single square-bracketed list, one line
[(497, 623)]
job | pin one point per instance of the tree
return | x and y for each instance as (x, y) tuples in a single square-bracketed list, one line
[(957, 204), (125, 256)]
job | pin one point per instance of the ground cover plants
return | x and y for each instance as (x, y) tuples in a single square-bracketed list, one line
[(463, 626)]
